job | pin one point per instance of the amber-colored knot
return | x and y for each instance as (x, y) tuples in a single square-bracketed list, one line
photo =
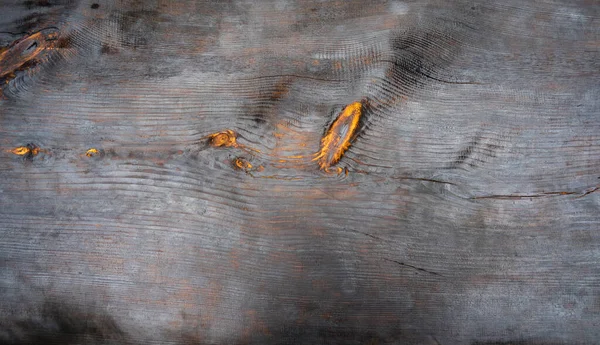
[(29, 150), (242, 164), (339, 136), (21, 150), (223, 139), (334, 170), (91, 152)]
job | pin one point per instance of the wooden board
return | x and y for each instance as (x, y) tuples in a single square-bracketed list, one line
[(163, 181)]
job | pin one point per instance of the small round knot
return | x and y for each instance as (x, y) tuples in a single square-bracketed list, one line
[(241, 163), (92, 152), (223, 139)]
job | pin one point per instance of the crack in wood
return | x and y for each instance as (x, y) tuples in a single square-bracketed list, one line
[(413, 267), (537, 195), (364, 233), (422, 179)]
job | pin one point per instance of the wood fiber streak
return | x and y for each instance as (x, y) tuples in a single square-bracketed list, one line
[(166, 175)]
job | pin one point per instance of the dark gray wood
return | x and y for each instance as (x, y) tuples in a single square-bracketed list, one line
[(466, 210)]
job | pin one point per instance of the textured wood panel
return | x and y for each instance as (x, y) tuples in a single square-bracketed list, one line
[(162, 178)]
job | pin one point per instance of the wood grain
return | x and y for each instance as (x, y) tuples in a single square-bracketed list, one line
[(174, 197)]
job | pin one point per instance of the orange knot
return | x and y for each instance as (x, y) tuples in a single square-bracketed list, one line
[(242, 164), (335, 170), (30, 150), (223, 139), (21, 150), (92, 152), (339, 136)]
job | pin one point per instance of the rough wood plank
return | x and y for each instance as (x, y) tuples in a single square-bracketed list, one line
[(158, 181)]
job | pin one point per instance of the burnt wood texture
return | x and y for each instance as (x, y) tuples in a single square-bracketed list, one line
[(299, 172)]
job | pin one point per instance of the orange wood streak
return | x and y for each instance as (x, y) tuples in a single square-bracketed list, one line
[(339, 136)]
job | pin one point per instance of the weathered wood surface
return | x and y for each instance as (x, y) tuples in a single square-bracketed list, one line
[(466, 210)]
